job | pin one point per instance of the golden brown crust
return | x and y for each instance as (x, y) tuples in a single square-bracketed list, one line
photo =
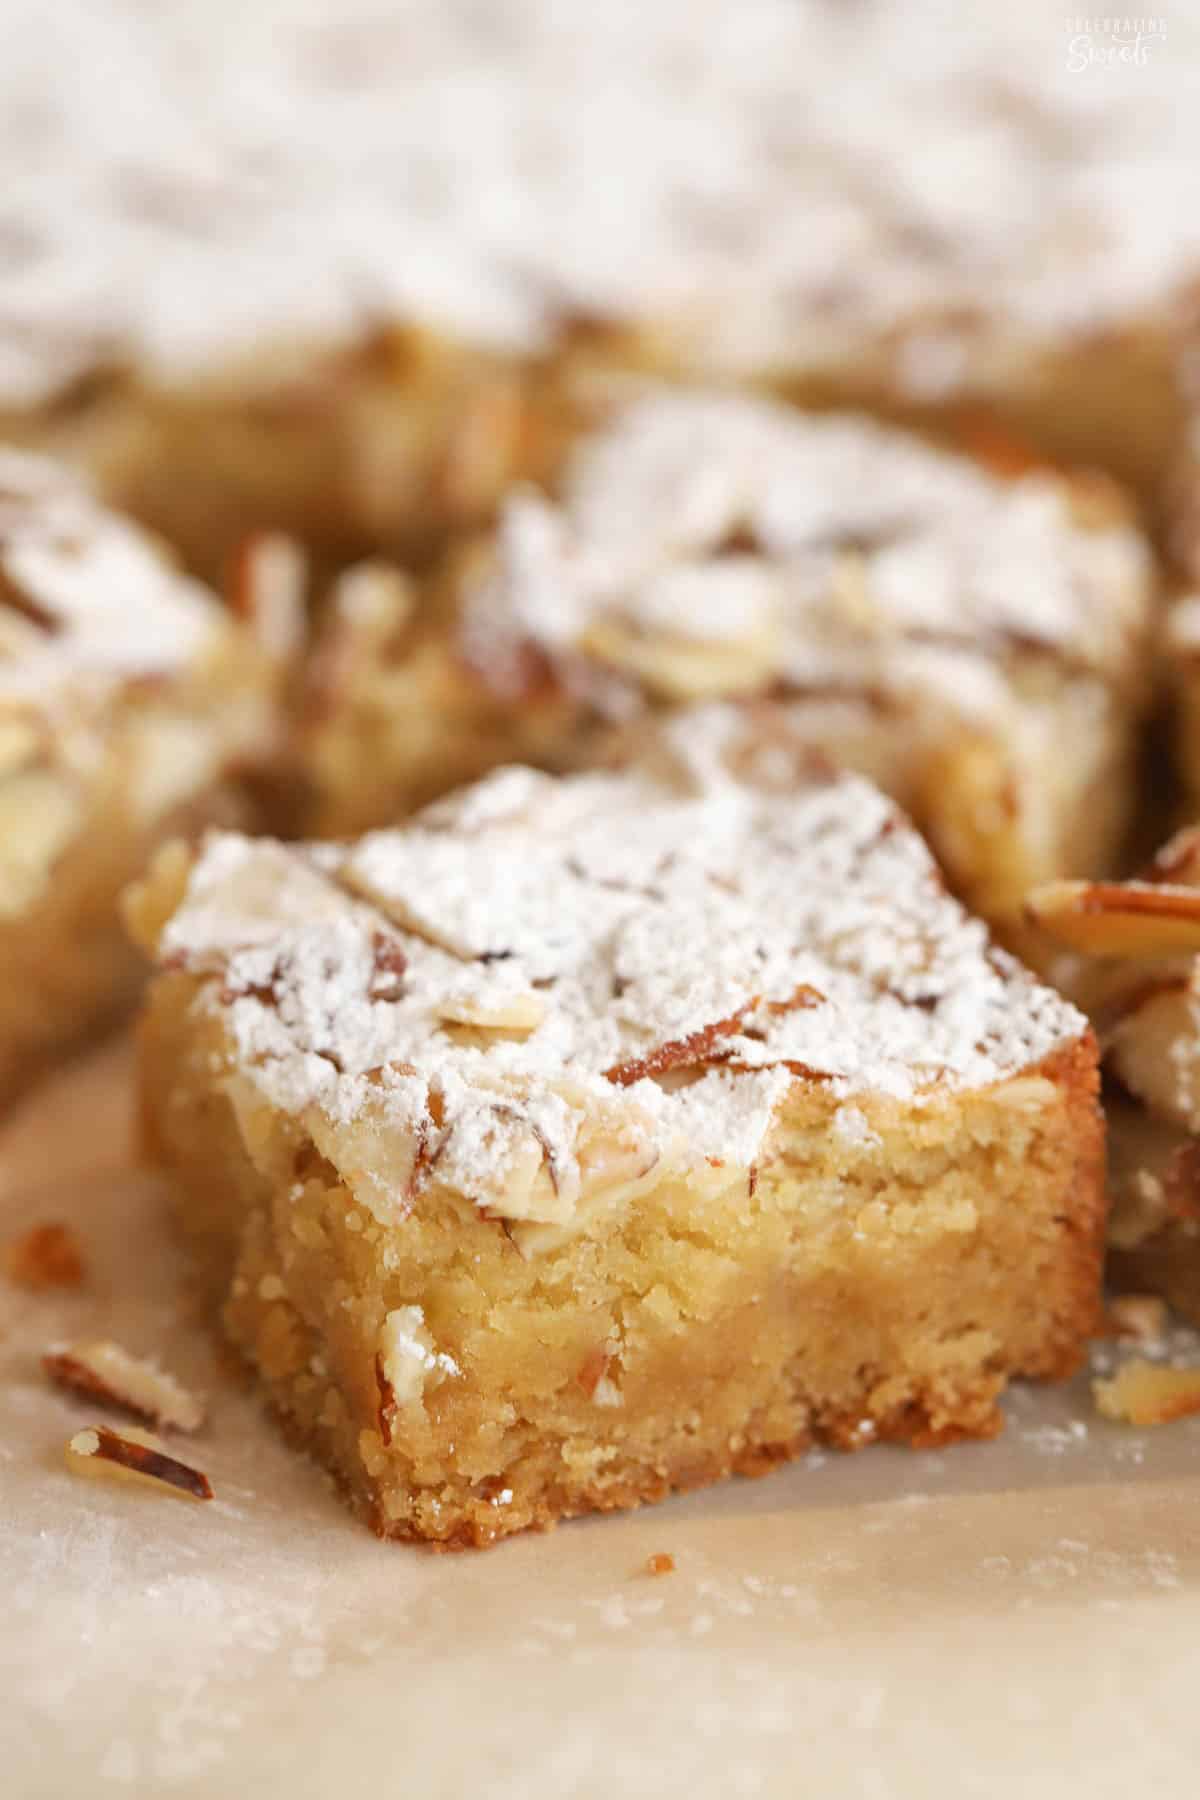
[(1075, 1071), (910, 1427)]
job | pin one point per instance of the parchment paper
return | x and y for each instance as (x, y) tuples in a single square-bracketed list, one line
[(1022, 1616)]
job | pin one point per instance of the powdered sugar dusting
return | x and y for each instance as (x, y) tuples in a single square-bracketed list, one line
[(695, 944), (785, 182), (84, 594), (709, 542)]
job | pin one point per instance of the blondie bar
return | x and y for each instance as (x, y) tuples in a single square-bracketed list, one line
[(128, 701), (977, 645), (338, 267), (597, 1136)]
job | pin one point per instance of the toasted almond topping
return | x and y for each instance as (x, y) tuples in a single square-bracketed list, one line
[(1110, 918), (104, 1371), (133, 1455), (661, 1563), (698, 1047), (678, 670), (1146, 1393), (46, 1256), (267, 591), (369, 604), (705, 1046), (513, 1012), (1140, 1316)]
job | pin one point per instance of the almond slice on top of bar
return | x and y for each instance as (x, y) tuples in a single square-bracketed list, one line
[(976, 645), (130, 702), (785, 1151), (1139, 948)]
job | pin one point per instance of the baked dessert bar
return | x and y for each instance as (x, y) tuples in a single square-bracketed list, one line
[(977, 645), (129, 698), (1138, 948), (335, 267), (593, 1137)]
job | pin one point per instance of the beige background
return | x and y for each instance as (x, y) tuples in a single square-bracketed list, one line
[(1020, 1615)]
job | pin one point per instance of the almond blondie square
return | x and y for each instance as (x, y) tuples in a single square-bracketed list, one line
[(976, 645), (129, 699), (597, 1136), (339, 268)]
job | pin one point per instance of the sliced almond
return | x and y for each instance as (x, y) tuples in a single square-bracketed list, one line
[(132, 1455), (407, 1362), (1110, 918), (611, 1178), (270, 572), (370, 604), (370, 601), (705, 1045), (1146, 1393), (519, 1012), (677, 671), (698, 1047), (104, 1371), (664, 643)]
